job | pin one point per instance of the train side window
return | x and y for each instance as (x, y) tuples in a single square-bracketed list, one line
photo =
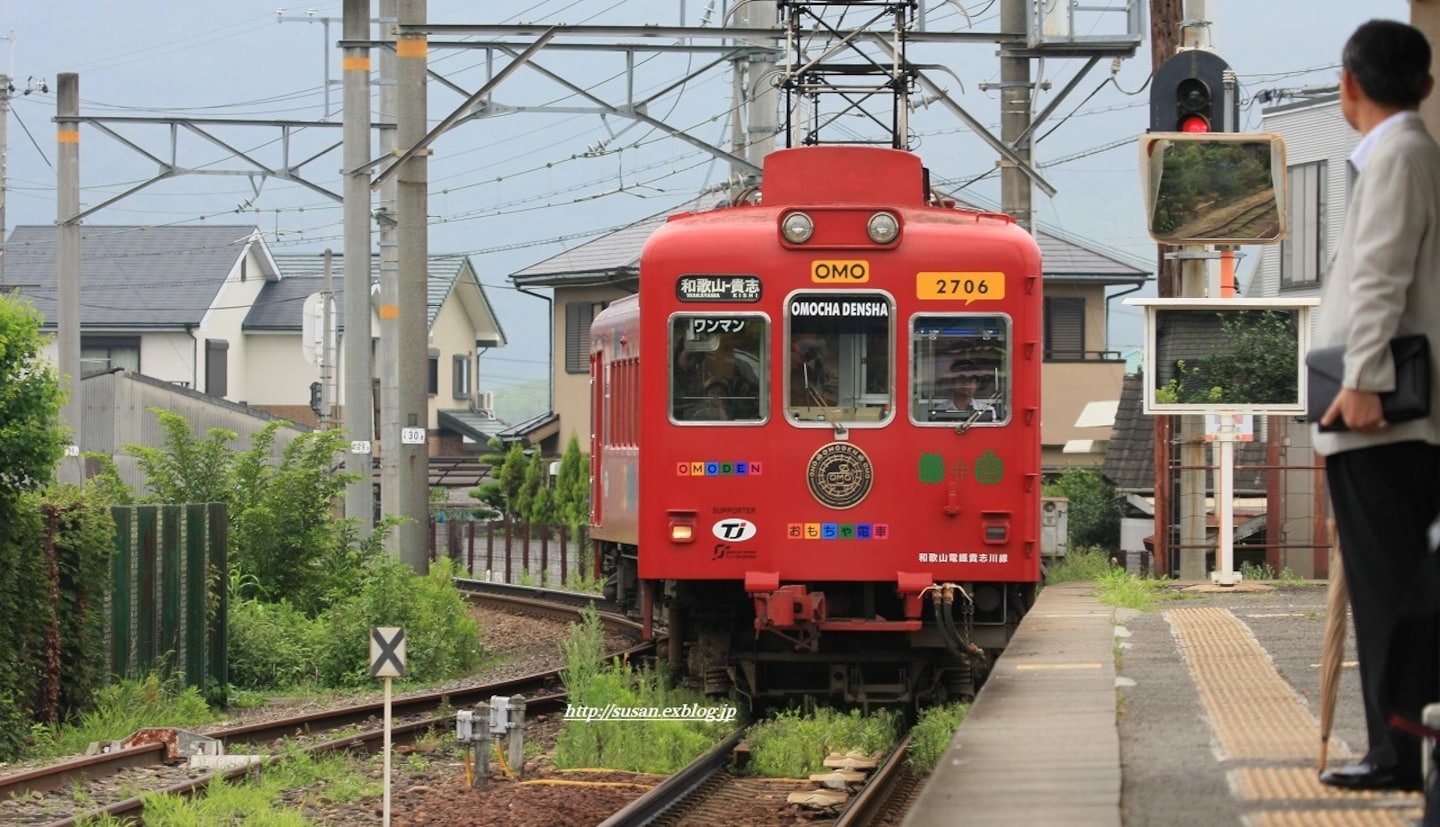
[(840, 357), (717, 366), (960, 369)]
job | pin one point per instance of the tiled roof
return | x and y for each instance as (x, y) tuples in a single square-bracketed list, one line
[(616, 255), (479, 427), (279, 305), (133, 277), (1130, 456)]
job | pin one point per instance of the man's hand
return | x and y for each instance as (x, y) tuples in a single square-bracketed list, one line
[(1359, 410)]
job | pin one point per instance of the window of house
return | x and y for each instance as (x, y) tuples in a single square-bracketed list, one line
[(217, 372), (578, 316), (460, 374), (99, 354), (1064, 329), (432, 378), (1302, 253)]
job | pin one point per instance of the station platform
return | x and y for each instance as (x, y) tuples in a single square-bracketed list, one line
[(1201, 711)]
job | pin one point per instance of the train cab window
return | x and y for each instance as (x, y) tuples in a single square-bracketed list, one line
[(716, 367), (960, 367), (840, 357)]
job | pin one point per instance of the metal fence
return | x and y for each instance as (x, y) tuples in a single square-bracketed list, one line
[(169, 566), (527, 554)]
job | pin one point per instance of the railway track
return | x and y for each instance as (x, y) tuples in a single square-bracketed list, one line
[(70, 792), (705, 792)]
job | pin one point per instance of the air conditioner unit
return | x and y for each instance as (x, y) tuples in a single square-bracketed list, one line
[(487, 402)]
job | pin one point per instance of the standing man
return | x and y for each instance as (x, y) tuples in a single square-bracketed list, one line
[(1384, 478)]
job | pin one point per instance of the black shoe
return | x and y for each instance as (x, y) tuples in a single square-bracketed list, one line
[(1363, 776)]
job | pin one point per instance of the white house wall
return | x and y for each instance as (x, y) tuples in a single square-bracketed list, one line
[(1312, 133), (278, 374), (452, 334), (223, 321)]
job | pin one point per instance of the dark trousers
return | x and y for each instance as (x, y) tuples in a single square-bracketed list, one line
[(1384, 499)]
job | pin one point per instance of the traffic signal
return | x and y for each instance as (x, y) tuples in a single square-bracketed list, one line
[(1188, 94)]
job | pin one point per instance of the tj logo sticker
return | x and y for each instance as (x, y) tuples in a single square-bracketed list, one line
[(734, 531)]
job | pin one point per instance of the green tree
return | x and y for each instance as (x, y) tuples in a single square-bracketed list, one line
[(532, 483), (572, 486), (185, 469), (512, 482), (1095, 508), (32, 439)]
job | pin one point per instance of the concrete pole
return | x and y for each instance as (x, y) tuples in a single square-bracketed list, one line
[(327, 349), (1015, 88), (67, 258), (411, 200), (4, 153), (760, 76), (358, 408), (389, 288)]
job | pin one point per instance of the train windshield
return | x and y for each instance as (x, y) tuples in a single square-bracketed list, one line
[(960, 367), (716, 366), (840, 357)]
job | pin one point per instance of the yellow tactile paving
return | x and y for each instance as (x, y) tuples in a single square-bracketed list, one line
[(1255, 713), (1291, 783), (1334, 818)]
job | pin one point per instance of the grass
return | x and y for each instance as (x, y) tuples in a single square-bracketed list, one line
[(794, 745), (932, 733), (593, 680), (121, 709), (273, 797), (1083, 565)]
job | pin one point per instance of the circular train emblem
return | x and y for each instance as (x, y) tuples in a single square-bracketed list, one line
[(840, 475)]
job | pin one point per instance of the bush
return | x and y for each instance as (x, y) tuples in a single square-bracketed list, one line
[(442, 639), (932, 734), (793, 745), (1095, 507), (273, 645)]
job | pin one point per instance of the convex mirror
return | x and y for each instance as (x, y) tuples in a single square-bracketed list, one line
[(1214, 188)]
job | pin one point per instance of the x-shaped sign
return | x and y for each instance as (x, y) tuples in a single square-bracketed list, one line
[(387, 652)]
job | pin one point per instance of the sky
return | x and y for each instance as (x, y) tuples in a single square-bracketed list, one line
[(523, 185)]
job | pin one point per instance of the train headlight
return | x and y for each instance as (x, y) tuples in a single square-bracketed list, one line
[(797, 227), (882, 228)]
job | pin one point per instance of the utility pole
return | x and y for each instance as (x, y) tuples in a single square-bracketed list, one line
[(67, 257), (1015, 103), (5, 90), (1165, 16), (327, 348), (359, 411), (412, 191), (389, 285)]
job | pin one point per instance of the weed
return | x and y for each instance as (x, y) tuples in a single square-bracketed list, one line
[(794, 745), (1086, 564), (1118, 588), (931, 734)]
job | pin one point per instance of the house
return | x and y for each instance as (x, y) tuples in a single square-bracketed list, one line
[(462, 326), (1078, 368), (212, 310)]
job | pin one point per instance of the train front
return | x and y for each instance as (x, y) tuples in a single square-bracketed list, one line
[(839, 478)]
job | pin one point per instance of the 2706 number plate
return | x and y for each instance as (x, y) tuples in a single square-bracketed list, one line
[(966, 287)]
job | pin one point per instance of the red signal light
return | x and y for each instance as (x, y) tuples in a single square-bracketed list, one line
[(1194, 123)]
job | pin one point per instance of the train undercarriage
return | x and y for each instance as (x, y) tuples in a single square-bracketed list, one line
[(863, 643)]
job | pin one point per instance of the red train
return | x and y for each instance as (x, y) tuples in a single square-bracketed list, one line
[(816, 434)]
